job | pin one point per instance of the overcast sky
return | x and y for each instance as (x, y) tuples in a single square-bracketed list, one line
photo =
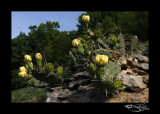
[(21, 20)]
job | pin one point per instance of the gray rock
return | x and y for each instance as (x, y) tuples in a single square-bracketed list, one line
[(72, 84), (133, 83), (56, 88), (142, 58), (84, 74), (85, 88), (65, 94), (52, 96), (144, 66)]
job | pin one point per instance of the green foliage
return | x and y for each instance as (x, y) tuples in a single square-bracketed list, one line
[(49, 67), (28, 95)]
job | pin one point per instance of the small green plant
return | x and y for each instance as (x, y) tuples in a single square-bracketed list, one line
[(59, 71), (118, 85), (49, 67)]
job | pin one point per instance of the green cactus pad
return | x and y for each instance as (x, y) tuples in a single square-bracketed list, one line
[(102, 52), (111, 70)]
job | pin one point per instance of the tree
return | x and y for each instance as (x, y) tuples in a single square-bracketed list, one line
[(130, 22)]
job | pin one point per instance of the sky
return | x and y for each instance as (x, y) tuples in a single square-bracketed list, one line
[(21, 20)]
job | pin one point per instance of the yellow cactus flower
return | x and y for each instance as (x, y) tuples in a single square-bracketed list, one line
[(101, 60), (86, 18), (38, 56), (76, 42), (22, 74), (22, 69), (97, 59), (27, 58)]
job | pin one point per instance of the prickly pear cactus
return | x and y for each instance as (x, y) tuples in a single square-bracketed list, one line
[(111, 70), (91, 69), (72, 58), (102, 43), (102, 52), (134, 42), (121, 44), (49, 67)]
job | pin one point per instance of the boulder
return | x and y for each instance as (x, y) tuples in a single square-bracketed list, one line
[(84, 74), (144, 66), (146, 79), (74, 83), (139, 72), (133, 83), (142, 58)]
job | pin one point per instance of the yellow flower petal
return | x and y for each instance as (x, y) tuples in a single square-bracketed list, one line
[(27, 58), (22, 74), (86, 18), (22, 69), (101, 60)]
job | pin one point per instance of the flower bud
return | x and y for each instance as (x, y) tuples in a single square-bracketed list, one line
[(76, 42), (86, 18), (22, 69), (101, 60), (27, 58), (38, 56)]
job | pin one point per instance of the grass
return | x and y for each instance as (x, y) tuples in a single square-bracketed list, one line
[(28, 95)]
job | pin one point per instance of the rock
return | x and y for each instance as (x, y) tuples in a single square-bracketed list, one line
[(65, 94), (52, 96), (131, 63), (132, 82), (144, 66), (135, 60), (84, 88), (146, 79), (84, 74), (56, 88), (123, 61), (139, 72), (142, 58), (128, 71), (130, 97), (48, 100), (72, 84)]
